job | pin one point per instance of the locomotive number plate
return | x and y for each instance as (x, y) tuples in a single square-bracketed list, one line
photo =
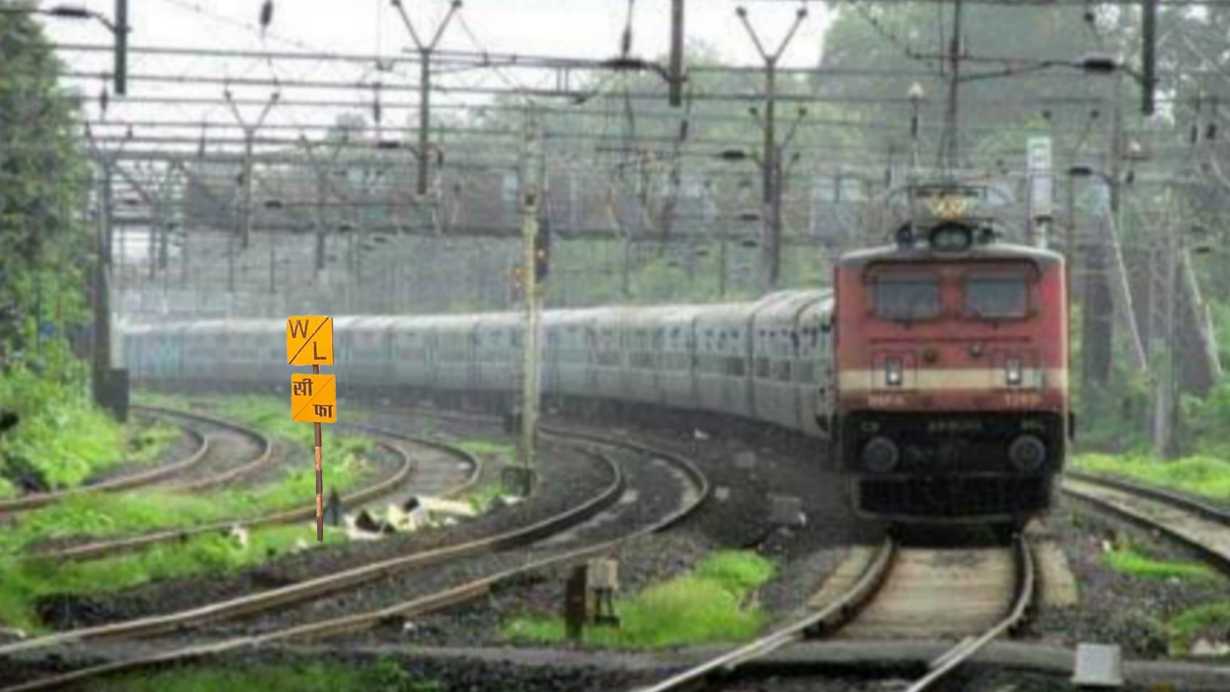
[(1022, 400)]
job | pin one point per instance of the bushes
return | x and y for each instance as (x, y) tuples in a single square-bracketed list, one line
[(61, 438)]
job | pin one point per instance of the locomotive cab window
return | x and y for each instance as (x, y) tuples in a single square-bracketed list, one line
[(906, 298), (997, 297)]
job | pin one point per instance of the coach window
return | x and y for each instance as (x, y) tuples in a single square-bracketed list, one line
[(999, 297), (906, 298)]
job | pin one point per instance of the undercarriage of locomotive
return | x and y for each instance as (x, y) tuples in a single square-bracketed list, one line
[(951, 468)]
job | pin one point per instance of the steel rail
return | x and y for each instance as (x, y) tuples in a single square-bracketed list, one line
[(355, 576), (213, 480), (1202, 511), (831, 616), (422, 605), (960, 653), (1191, 504), (125, 482)]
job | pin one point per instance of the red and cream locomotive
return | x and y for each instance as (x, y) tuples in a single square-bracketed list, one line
[(951, 357)]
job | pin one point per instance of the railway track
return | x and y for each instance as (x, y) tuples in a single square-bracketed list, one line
[(258, 455), (451, 594), (406, 469), (1197, 525), (888, 583), (118, 483)]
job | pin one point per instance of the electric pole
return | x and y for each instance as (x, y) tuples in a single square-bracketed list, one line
[(952, 117), (770, 157), (425, 50), (249, 135), (532, 275)]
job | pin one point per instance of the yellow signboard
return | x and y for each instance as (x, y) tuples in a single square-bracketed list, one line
[(309, 340), (313, 398)]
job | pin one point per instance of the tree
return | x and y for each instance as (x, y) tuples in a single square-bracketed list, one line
[(43, 183)]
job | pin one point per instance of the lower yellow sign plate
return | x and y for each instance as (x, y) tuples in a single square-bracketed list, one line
[(313, 398)]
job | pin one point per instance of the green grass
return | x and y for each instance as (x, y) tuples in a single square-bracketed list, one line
[(384, 676), (1200, 475), (504, 450), (481, 497), (23, 582), (706, 605), (1211, 619), (7, 489), (148, 441), (160, 399), (105, 515), (1133, 562)]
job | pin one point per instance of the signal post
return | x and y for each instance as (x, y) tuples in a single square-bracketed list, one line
[(313, 398)]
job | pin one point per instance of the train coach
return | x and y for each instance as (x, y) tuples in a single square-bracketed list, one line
[(764, 360), (936, 367)]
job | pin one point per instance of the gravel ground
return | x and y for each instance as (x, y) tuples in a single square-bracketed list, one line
[(1116, 607), (786, 464), (652, 492)]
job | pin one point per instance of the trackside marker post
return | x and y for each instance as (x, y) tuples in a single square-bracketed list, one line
[(313, 398)]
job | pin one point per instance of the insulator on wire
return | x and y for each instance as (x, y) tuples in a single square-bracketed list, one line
[(103, 100), (1193, 134), (266, 16), (1210, 131)]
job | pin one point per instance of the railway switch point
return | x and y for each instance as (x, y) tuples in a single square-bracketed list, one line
[(1098, 666)]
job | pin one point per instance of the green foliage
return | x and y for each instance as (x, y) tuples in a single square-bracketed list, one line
[(1200, 475), (44, 174), (386, 676), (1207, 420), (1212, 619), (1132, 561), (704, 606), (61, 439), (23, 582)]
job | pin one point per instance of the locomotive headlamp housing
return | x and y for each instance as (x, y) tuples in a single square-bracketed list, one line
[(952, 237), (1012, 372), (880, 454), (892, 372), (1027, 453)]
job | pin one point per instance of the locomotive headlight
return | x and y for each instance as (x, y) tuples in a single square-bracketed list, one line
[(892, 372), (1013, 372), (880, 454), (1027, 453)]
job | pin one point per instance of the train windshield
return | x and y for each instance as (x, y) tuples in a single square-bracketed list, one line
[(906, 298), (996, 297)]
